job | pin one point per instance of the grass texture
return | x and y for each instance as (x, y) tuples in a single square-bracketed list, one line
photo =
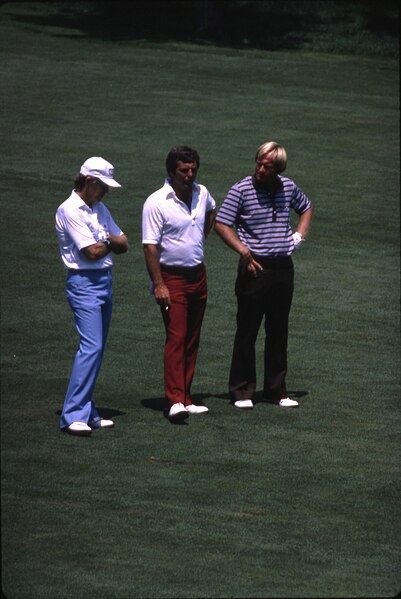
[(268, 503)]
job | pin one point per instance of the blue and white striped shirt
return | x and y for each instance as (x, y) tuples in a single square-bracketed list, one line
[(262, 221)]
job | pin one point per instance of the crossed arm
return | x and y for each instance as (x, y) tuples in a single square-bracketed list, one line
[(117, 244)]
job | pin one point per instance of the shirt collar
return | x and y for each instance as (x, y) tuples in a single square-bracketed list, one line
[(170, 193), (79, 201)]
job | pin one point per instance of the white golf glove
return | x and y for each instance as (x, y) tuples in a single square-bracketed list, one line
[(102, 235), (298, 239)]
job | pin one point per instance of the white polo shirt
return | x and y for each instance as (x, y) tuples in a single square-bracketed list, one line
[(78, 226), (177, 231)]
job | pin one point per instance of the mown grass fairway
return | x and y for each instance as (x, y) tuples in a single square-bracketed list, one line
[(268, 503)]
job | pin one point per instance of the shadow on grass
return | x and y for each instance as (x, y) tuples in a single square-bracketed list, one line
[(285, 25), (159, 404), (106, 413), (259, 397)]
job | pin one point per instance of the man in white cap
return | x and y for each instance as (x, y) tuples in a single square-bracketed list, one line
[(87, 234)]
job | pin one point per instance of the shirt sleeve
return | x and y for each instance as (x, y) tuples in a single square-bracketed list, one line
[(152, 223), (73, 224), (228, 212), (210, 202), (299, 201), (113, 228)]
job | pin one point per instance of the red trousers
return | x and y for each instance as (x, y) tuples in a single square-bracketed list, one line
[(183, 322)]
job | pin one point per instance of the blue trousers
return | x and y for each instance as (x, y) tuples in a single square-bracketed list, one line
[(90, 296)]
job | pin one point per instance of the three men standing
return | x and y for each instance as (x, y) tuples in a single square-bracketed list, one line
[(254, 220)]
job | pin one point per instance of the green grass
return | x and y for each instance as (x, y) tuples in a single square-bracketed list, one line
[(270, 503)]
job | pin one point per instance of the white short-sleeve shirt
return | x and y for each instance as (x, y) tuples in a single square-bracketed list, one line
[(177, 231), (78, 226)]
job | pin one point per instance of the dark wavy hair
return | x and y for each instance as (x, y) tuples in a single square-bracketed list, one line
[(79, 182), (183, 153)]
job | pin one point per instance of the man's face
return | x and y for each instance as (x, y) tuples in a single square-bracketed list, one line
[(265, 170), (95, 190), (184, 176)]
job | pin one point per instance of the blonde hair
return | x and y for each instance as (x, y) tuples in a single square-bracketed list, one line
[(278, 154)]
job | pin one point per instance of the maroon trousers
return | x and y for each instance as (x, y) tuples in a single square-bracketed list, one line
[(183, 322)]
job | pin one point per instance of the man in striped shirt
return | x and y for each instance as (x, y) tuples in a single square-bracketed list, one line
[(254, 220)]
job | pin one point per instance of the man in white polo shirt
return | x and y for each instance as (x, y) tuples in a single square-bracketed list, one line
[(87, 234), (176, 221)]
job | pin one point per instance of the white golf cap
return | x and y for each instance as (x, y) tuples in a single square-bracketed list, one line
[(100, 169)]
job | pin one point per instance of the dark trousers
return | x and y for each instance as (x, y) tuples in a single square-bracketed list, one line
[(269, 295), (183, 322)]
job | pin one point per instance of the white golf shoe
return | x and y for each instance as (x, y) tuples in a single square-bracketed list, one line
[(79, 428), (286, 402), (244, 404), (178, 412), (193, 409), (101, 423)]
